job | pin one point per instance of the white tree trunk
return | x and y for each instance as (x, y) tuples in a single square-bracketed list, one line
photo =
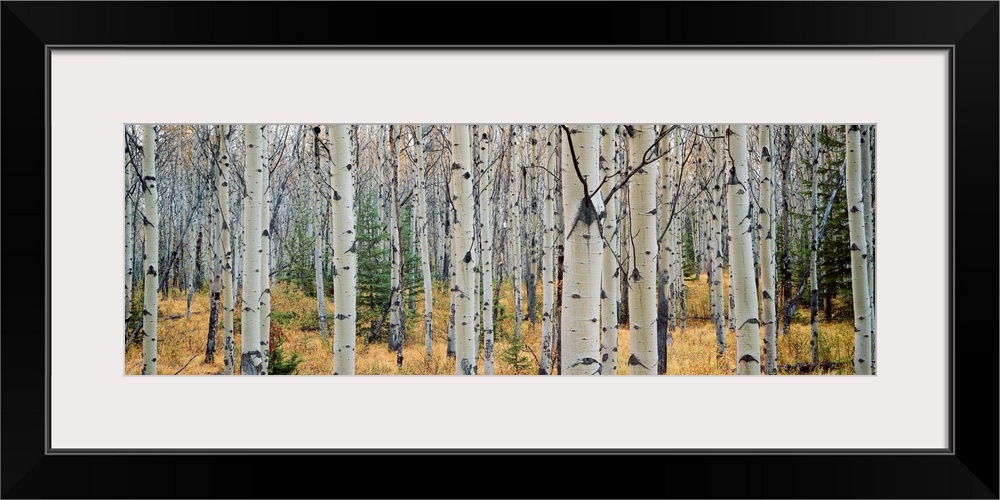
[(317, 235), (129, 242), (742, 281), (548, 263), (420, 193), (718, 257), (666, 294), (227, 292), (461, 193), (581, 305), (189, 248), (859, 253), (767, 254), (516, 180), (610, 275), (395, 294), (265, 263), (151, 256), (813, 250), (866, 153), (677, 228), (642, 277), (345, 257), (487, 185), (251, 362)]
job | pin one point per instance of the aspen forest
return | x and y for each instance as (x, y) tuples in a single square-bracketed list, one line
[(486, 249)]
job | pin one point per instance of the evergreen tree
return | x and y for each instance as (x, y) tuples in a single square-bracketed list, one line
[(373, 267), (833, 259)]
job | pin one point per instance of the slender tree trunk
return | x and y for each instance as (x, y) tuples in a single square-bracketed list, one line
[(582, 201), (559, 254), (228, 290), (420, 202), (866, 185), (477, 270), (531, 204), (189, 254), (345, 256), (151, 253), (450, 268), (742, 280), (487, 183), (767, 257), (517, 182), (665, 305), (395, 311), (813, 250), (677, 228), (786, 234), (610, 276), (129, 242), (465, 310), (251, 363), (216, 288), (265, 263), (643, 235), (718, 257), (317, 235), (548, 261), (859, 253)]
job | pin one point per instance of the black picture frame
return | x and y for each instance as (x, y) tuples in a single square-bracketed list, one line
[(968, 30)]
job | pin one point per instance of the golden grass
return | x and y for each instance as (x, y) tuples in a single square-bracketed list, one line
[(693, 351)]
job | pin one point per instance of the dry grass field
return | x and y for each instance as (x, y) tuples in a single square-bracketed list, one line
[(182, 340)]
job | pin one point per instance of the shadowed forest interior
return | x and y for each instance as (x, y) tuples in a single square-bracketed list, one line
[(499, 249)]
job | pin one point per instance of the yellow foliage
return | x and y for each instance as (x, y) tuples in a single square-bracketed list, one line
[(693, 352)]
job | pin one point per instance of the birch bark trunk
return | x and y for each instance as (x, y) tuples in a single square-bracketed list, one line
[(582, 290), (251, 361), (859, 254), (228, 291), (642, 233), (610, 275), (420, 193), (742, 281), (151, 252), (767, 257), (486, 186), (345, 257), (465, 310)]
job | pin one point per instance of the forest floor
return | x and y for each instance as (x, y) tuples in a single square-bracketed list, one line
[(182, 340)]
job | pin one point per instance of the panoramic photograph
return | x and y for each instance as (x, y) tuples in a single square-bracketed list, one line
[(499, 249)]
